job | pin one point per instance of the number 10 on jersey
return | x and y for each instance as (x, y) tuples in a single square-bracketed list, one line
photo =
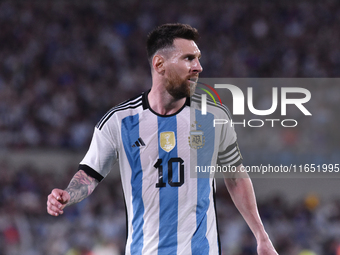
[(170, 163)]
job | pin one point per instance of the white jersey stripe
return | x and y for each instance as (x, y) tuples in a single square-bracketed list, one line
[(186, 216), (200, 243), (148, 127)]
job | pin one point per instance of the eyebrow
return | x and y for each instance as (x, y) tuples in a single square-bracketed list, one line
[(192, 55)]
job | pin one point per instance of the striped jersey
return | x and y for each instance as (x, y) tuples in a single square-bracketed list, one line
[(170, 205)]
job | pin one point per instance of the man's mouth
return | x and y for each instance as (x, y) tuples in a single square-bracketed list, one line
[(193, 84), (193, 79)]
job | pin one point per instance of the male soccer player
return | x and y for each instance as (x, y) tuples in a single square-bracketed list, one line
[(158, 137)]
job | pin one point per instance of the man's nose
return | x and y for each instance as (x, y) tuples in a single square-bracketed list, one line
[(197, 68)]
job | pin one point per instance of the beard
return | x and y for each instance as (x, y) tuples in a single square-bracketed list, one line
[(178, 87)]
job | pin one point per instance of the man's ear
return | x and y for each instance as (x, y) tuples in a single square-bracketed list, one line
[(158, 64)]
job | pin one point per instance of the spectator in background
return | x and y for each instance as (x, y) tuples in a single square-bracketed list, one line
[(58, 58)]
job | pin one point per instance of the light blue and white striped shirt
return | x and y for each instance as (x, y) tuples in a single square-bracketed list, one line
[(170, 208)]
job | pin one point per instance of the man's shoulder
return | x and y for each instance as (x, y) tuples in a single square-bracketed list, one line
[(129, 107), (216, 108)]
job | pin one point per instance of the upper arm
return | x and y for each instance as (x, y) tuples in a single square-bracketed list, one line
[(101, 155), (229, 153)]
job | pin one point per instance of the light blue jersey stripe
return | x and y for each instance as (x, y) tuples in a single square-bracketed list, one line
[(130, 134), (168, 195), (199, 243)]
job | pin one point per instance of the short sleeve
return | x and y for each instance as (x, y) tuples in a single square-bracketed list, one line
[(229, 152), (101, 155)]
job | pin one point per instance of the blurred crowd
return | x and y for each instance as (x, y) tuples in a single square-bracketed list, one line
[(97, 225), (65, 63)]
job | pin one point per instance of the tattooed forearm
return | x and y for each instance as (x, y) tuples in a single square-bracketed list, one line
[(80, 187)]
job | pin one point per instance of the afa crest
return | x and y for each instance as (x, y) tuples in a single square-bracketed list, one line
[(196, 139), (167, 140)]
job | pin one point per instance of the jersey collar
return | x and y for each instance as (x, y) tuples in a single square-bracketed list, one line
[(145, 103)]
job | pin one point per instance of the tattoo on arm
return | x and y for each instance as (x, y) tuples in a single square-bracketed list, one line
[(80, 187)]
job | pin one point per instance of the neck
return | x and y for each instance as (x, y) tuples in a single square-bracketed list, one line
[(163, 103)]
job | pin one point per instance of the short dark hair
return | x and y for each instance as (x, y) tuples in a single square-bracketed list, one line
[(164, 35)]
